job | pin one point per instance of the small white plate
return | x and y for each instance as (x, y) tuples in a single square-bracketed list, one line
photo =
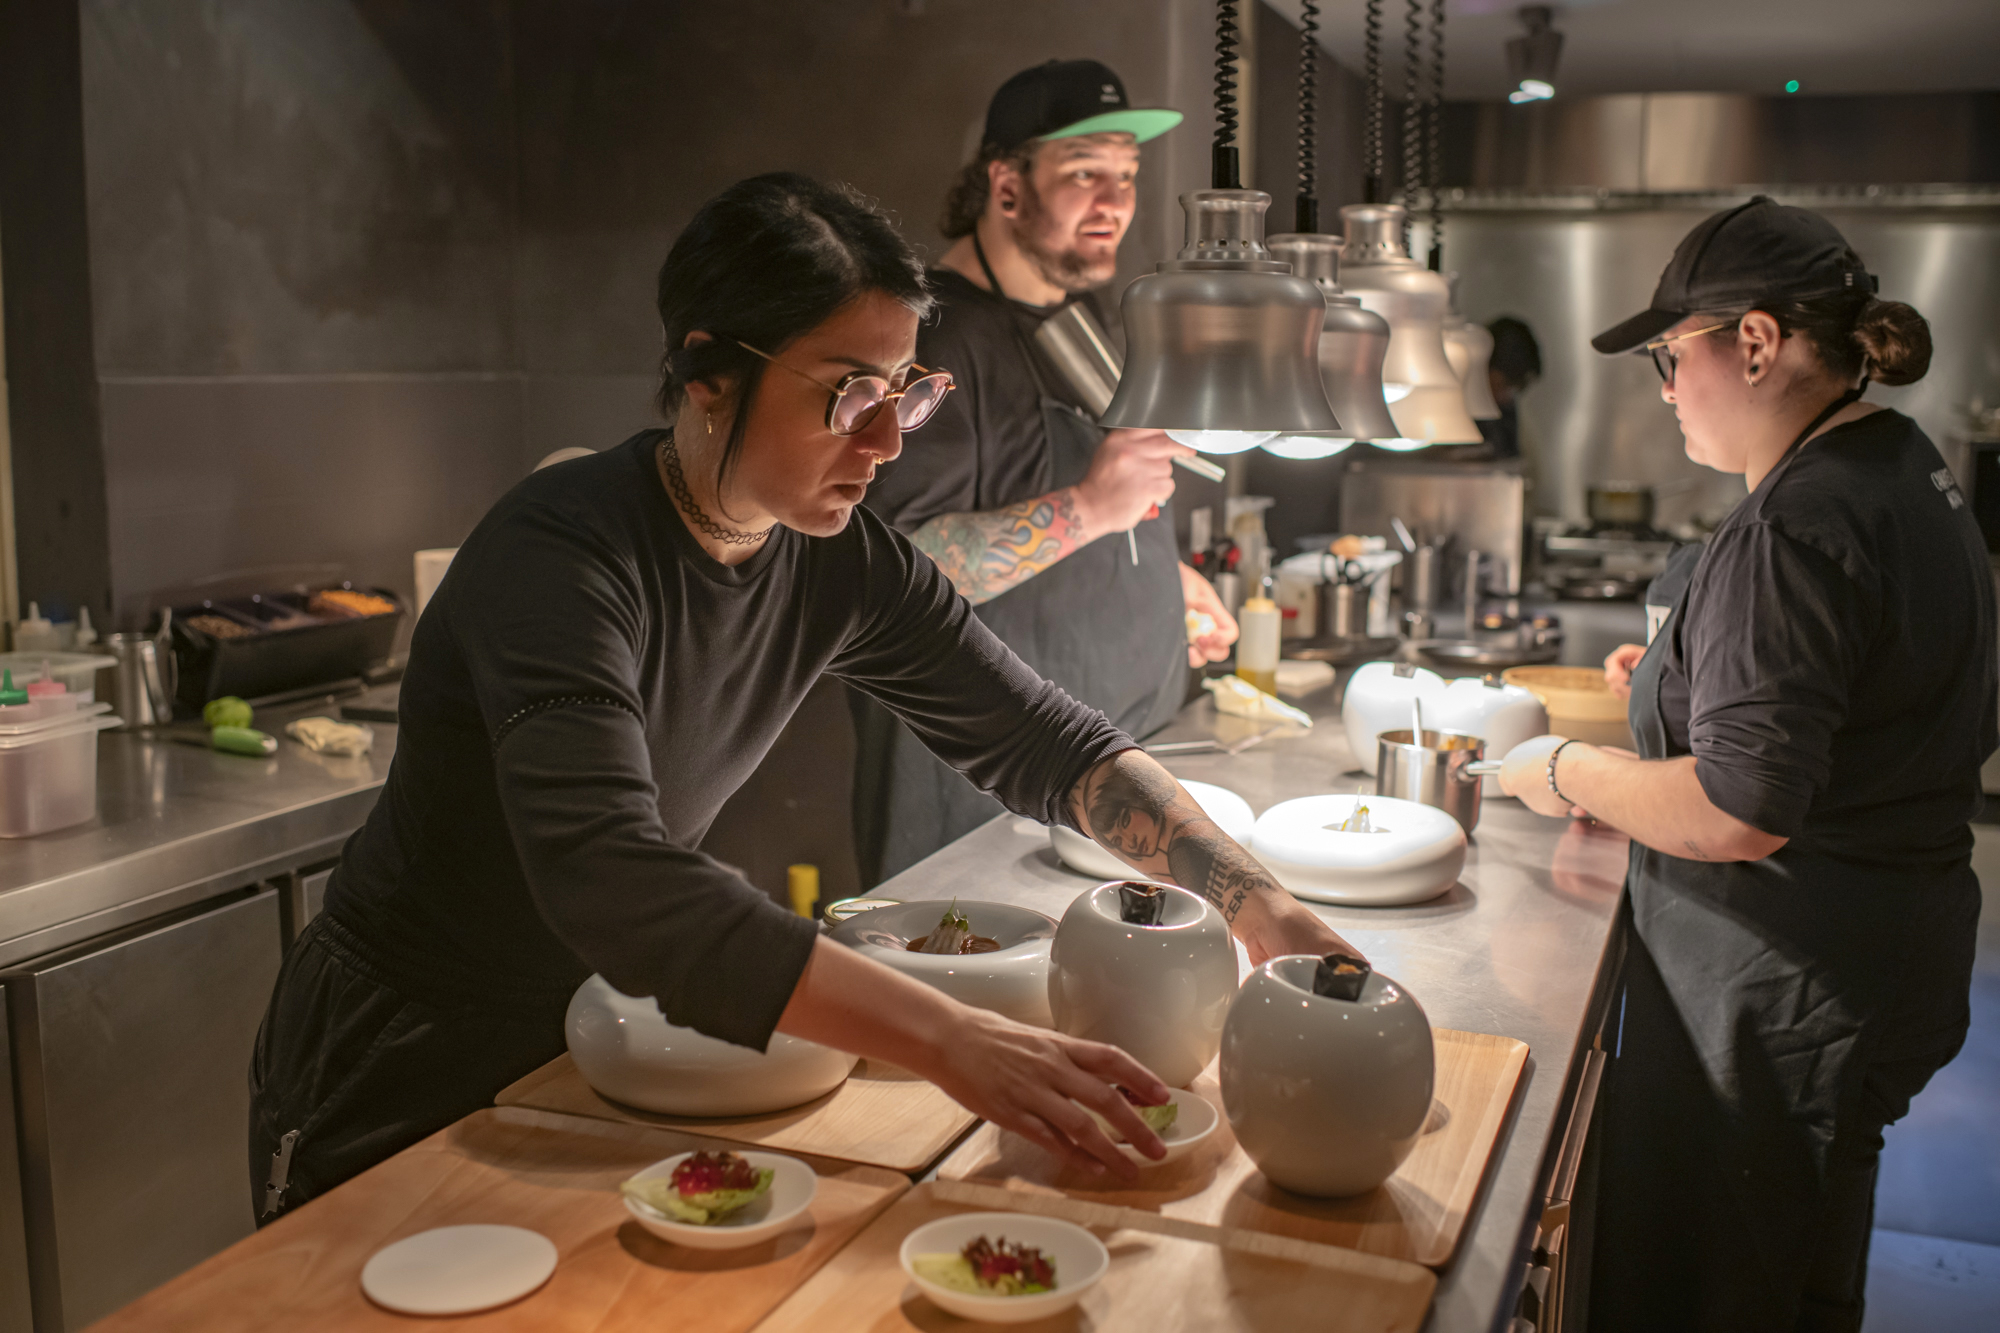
[(458, 1270), (1197, 1120), (1080, 1259), (792, 1188)]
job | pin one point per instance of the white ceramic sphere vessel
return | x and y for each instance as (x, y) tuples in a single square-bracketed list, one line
[(1500, 714), (1231, 813), (1377, 699), (1159, 993), (1326, 1096), (1013, 980), (626, 1050), (1418, 857)]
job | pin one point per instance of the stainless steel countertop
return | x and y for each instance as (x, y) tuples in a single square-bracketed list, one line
[(177, 823), (1517, 948)]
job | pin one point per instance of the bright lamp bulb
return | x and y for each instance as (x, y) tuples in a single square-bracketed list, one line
[(1306, 447), (1400, 445), (1532, 90), (1221, 441)]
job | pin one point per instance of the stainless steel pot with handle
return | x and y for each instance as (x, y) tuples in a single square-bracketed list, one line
[(1434, 768), (144, 675)]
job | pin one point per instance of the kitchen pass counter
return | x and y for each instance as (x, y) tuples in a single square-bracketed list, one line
[(1521, 947)]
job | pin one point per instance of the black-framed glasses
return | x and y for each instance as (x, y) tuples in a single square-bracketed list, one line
[(862, 394), (1666, 360)]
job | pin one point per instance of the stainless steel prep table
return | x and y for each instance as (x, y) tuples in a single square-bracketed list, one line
[(137, 953), (1523, 947), (176, 824)]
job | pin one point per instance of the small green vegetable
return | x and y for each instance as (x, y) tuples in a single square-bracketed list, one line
[(228, 711), (243, 740)]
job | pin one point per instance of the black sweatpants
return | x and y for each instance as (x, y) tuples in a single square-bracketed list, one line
[(362, 1069)]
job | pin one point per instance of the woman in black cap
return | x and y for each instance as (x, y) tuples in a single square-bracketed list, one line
[(1811, 719)]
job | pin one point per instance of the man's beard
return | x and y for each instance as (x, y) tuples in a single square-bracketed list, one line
[(1064, 268)]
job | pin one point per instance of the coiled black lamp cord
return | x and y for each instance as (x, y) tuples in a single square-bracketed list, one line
[(1306, 212), (1371, 135), (1226, 175)]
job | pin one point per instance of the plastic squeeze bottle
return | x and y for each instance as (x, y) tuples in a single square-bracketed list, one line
[(1259, 625), (35, 634)]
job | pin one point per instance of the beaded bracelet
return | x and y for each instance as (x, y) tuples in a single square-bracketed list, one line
[(1554, 755)]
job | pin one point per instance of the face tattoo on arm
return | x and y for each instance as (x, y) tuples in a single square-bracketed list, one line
[(1134, 808)]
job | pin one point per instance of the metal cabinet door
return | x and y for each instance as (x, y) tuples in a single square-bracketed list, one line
[(133, 1056), (15, 1316)]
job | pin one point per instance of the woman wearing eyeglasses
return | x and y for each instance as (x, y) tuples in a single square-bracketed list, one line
[(614, 650), (1811, 719)]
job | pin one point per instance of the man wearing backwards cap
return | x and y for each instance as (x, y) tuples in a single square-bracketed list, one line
[(1013, 489)]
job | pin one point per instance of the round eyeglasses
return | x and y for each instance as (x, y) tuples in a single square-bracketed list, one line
[(861, 395)]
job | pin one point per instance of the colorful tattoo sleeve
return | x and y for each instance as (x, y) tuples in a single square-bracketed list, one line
[(985, 554), (1136, 810)]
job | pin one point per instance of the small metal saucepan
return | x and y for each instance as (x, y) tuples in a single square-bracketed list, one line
[(1441, 769)]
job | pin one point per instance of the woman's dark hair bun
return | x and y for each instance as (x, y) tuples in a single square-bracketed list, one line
[(1895, 339)]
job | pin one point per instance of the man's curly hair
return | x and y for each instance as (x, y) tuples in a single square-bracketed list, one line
[(966, 199)]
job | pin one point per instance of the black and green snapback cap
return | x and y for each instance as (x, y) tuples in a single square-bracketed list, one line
[(1064, 98)]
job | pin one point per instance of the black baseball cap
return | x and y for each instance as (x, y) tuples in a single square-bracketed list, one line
[(1064, 98), (1755, 252)]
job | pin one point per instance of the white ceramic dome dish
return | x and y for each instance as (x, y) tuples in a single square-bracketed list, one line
[(1500, 714), (793, 1185), (1080, 1259), (1377, 699), (1013, 980), (627, 1051), (1231, 813), (1418, 857)]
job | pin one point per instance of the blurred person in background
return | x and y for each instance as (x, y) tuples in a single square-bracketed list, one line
[(1516, 364)]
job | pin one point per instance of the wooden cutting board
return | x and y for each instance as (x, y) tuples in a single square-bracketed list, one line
[(882, 1116), (553, 1174), (1417, 1214), (1226, 1281)]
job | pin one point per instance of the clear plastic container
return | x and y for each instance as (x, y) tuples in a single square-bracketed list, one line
[(48, 770), (76, 671)]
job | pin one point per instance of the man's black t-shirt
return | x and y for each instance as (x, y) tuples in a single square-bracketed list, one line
[(986, 448), (1833, 671), (586, 689)]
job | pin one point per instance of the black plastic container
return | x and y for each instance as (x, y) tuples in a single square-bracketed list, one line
[(288, 647)]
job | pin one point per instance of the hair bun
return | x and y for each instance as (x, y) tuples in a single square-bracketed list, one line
[(1895, 339)]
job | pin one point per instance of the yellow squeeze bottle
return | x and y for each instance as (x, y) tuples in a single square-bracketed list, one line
[(802, 883)]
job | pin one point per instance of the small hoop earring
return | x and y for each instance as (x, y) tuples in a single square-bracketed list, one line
[(709, 417)]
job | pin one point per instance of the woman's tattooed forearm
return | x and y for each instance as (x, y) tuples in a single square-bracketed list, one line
[(985, 554), (1135, 809)]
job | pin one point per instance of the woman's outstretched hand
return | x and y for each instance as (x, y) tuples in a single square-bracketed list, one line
[(1026, 1079), (1037, 1084)]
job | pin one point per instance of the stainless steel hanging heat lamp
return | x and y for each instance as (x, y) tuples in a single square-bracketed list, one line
[(1352, 341), (1425, 397), (1222, 342)]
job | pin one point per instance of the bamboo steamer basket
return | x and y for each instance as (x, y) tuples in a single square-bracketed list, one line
[(1580, 702)]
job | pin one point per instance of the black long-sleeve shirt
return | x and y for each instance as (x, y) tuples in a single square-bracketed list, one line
[(585, 690)]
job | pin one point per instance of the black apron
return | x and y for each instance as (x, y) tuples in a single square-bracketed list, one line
[(1110, 631), (1776, 1016)]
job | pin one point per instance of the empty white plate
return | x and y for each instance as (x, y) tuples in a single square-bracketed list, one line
[(458, 1270)]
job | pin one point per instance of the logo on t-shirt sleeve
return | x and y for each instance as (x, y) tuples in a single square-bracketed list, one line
[(1948, 484)]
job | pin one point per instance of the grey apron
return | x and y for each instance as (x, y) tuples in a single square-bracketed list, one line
[(1777, 1015), (1110, 632)]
